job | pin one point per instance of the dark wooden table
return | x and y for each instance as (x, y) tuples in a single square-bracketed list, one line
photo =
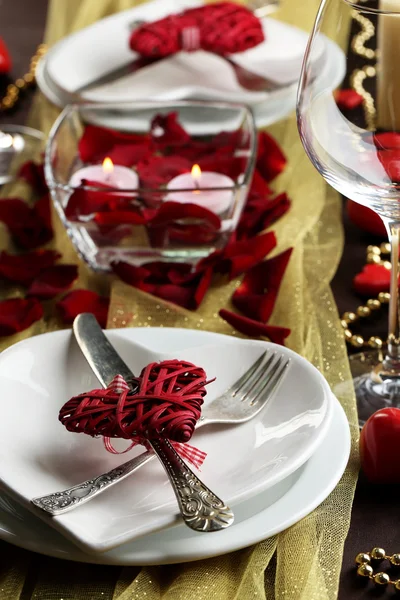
[(376, 509)]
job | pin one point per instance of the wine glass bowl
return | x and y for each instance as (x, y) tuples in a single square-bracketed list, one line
[(353, 139)]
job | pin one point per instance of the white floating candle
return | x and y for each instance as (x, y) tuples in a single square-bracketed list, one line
[(108, 174), (197, 184)]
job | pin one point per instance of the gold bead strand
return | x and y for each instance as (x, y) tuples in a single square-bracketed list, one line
[(14, 90), (375, 255), (364, 568)]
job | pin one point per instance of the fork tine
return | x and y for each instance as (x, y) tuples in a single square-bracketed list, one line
[(246, 376), (272, 382), (257, 375)]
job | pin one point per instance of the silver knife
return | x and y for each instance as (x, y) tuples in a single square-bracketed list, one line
[(200, 508)]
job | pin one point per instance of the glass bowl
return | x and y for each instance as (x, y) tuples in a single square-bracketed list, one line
[(139, 182)]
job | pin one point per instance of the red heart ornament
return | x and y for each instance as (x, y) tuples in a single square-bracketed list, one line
[(379, 446), (168, 403), (372, 280), (5, 59)]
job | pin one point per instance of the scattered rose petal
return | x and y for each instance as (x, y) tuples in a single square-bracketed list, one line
[(257, 293), (30, 227), (372, 280), (260, 213), (53, 281), (270, 159), (33, 173), (83, 301), (172, 282), (348, 99), (23, 268), (17, 314), (239, 256), (255, 328)]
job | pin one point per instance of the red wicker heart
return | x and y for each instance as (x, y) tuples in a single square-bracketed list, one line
[(167, 403)]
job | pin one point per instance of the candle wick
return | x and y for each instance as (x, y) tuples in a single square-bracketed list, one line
[(196, 183)]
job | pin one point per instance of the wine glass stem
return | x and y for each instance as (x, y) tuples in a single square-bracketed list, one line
[(391, 362)]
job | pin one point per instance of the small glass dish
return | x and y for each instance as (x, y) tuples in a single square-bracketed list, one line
[(150, 201)]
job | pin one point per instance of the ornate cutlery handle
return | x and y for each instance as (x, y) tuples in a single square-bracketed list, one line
[(60, 502), (200, 508)]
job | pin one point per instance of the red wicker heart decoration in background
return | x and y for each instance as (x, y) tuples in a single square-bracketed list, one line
[(168, 403)]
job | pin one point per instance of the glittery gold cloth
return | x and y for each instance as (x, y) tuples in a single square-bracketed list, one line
[(304, 562)]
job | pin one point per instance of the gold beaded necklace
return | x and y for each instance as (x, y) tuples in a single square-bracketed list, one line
[(374, 256), (14, 89)]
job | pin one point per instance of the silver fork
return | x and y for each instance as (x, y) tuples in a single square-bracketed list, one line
[(240, 403)]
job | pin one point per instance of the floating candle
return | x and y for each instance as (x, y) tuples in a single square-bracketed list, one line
[(200, 188), (108, 174)]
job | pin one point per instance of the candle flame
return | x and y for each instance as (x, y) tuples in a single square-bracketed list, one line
[(108, 165), (196, 172)]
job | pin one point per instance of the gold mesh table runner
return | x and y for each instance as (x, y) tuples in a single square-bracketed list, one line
[(303, 562)]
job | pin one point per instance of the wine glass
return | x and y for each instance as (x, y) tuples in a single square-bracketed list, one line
[(357, 150)]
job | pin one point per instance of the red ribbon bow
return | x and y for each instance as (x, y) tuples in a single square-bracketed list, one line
[(222, 28)]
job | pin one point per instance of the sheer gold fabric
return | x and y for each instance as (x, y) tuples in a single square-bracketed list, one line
[(304, 562)]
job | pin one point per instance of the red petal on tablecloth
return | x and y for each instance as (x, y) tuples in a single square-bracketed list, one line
[(98, 142), (257, 293), (172, 282), (390, 160), (155, 171), (348, 99), (166, 131), (17, 314), (23, 268), (270, 159), (259, 213), (239, 256), (53, 281), (33, 173), (372, 280), (253, 328), (82, 301), (30, 227), (386, 140)]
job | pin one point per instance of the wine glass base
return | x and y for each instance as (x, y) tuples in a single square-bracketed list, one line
[(372, 393)]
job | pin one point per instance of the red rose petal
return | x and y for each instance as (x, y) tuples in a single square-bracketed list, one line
[(33, 173), (83, 301), (244, 254), (348, 99), (119, 217), (17, 314), (5, 58), (372, 280), (130, 274), (255, 328), (270, 159), (167, 131), (261, 213), (156, 171), (98, 142), (23, 268), (256, 295), (30, 227), (173, 211), (387, 140), (53, 281)]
